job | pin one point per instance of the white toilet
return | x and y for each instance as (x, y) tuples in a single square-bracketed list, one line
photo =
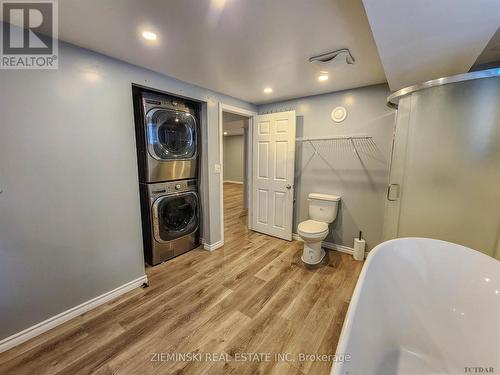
[(322, 211)]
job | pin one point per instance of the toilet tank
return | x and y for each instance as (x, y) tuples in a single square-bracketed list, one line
[(323, 207)]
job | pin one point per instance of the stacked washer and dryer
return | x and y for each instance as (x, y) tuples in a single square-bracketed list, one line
[(167, 136)]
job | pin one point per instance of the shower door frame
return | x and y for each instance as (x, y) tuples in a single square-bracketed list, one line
[(403, 100)]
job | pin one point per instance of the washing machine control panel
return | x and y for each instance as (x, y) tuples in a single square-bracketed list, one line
[(172, 187), (176, 186), (179, 186)]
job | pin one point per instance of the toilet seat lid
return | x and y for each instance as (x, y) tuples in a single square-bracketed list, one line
[(313, 226)]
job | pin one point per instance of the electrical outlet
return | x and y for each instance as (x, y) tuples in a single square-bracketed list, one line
[(217, 168)]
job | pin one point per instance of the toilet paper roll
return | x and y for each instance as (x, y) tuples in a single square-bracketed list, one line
[(359, 249)]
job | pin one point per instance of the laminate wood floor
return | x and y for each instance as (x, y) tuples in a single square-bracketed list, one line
[(254, 295)]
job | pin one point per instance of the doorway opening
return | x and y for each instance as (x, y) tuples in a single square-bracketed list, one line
[(236, 169), (268, 172)]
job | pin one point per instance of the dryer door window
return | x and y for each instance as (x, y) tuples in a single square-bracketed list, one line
[(176, 216), (171, 134)]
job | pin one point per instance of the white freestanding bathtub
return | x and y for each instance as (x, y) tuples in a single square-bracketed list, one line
[(423, 306)]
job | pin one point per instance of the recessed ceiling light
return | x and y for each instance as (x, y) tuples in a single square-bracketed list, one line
[(323, 77), (268, 90), (225, 133), (149, 35)]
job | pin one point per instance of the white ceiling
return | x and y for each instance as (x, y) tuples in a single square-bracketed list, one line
[(236, 47), (419, 40), (239, 47), (233, 124)]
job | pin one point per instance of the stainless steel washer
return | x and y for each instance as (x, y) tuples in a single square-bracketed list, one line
[(170, 217), (167, 135)]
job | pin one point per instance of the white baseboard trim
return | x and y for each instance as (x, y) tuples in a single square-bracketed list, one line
[(331, 246), (234, 182), (341, 248), (58, 319), (212, 247)]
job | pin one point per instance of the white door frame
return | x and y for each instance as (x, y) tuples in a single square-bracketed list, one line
[(250, 114)]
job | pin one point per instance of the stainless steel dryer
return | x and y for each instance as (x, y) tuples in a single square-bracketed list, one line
[(167, 135), (170, 218)]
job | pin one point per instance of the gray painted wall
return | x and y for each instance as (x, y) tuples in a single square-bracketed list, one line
[(234, 163), (361, 181), (69, 211)]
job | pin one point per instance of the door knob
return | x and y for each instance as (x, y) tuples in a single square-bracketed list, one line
[(288, 186)]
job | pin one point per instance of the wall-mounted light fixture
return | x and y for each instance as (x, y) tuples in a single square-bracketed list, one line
[(339, 114)]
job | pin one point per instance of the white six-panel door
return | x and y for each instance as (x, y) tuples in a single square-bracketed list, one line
[(273, 173)]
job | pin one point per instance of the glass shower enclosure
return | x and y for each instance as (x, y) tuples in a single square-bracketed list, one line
[(445, 167)]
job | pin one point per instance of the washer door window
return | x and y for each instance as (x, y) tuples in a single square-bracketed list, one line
[(175, 216), (171, 134)]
